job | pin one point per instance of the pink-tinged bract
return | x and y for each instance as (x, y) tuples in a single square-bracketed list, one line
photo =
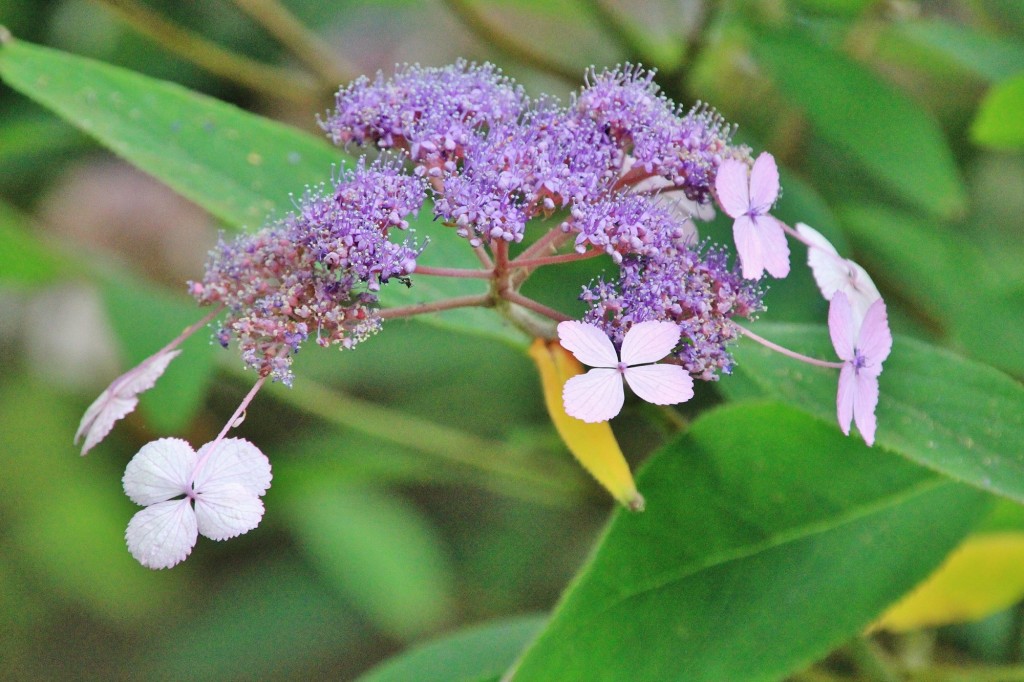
[(597, 395), (223, 481), (760, 240), (120, 398), (863, 353), (834, 273)]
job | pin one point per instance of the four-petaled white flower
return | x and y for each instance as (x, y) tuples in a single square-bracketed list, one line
[(597, 396), (215, 491), (760, 239), (120, 398)]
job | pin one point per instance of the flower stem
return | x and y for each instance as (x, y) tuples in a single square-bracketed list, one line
[(453, 272), (191, 329), (232, 421), (552, 239), (531, 263), (499, 468), (479, 300), (306, 45), (787, 352), (493, 35), (529, 303), (259, 77)]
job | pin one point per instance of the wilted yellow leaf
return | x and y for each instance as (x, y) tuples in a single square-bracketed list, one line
[(593, 445), (982, 576)]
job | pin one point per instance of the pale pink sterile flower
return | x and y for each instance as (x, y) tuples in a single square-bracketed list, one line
[(120, 398), (760, 240), (215, 491), (834, 273), (597, 396), (863, 353)]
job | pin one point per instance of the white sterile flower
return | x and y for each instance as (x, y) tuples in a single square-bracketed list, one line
[(215, 492), (834, 273), (120, 398)]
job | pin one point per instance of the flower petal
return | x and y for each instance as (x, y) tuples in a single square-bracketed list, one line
[(649, 341), (875, 342), (733, 188), (162, 534), (834, 273), (774, 247), (226, 511), (235, 460), (748, 246), (590, 345), (865, 399), (119, 399), (840, 326), (159, 471), (660, 384), (764, 183), (845, 396), (596, 396)]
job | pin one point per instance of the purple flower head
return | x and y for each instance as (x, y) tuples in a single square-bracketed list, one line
[(685, 149), (625, 224), (863, 351), (431, 113), (691, 286), (314, 273)]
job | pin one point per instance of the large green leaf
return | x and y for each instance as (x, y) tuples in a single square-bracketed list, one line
[(999, 123), (239, 166), (732, 573), (899, 144), (948, 413), (469, 655), (992, 57)]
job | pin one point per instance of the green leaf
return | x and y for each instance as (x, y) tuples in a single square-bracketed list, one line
[(956, 416), (377, 551), (991, 57), (239, 166), (25, 260), (899, 144), (469, 655), (999, 123), (731, 572), (145, 319)]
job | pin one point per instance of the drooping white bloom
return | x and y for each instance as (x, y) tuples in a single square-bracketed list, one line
[(120, 398), (215, 491), (834, 273), (597, 396)]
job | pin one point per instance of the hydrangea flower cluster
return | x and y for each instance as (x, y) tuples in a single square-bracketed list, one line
[(621, 172)]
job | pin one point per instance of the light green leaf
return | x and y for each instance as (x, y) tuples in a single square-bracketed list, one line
[(469, 655), (956, 416), (899, 144), (999, 123), (989, 56), (730, 574), (377, 551)]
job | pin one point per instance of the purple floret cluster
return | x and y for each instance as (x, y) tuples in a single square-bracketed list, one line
[(315, 272)]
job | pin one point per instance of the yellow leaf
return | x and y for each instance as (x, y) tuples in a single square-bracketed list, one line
[(593, 445), (981, 577)]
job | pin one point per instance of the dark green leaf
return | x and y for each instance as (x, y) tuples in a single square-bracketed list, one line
[(938, 409), (469, 655), (999, 123), (730, 574), (892, 139), (238, 166)]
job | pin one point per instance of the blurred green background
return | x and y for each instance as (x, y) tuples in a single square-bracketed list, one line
[(418, 484)]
